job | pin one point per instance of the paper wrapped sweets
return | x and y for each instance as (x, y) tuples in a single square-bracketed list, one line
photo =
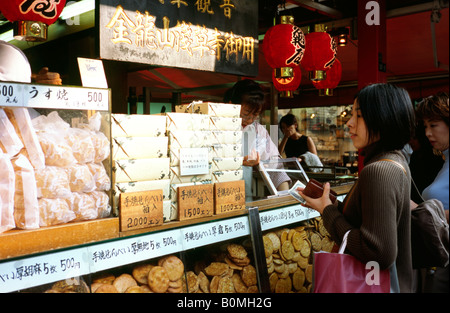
[(124, 125)]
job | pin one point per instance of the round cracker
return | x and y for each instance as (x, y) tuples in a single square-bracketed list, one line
[(273, 279), (140, 273), (248, 275), (192, 282), (174, 267), (106, 288), (214, 284), (236, 251), (216, 269), (275, 241), (225, 285), (316, 242), (298, 279), (268, 246), (287, 250), (123, 282), (203, 282), (158, 279), (239, 285)]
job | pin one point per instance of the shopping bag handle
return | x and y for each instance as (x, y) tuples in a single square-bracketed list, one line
[(344, 243)]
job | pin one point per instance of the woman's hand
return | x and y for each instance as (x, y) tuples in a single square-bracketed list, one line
[(252, 159), (318, 204)]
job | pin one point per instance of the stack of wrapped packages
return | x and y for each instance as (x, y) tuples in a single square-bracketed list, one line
[(215, 126), (55, 172), (139, 153)]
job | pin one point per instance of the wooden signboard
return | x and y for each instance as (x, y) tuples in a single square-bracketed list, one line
[(229, 197), (195, 201), (214, 35), (141, 209)]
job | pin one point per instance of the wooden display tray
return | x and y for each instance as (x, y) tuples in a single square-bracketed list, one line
[(17, 243)]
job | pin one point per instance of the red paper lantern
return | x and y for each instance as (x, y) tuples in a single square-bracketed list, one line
[(332, 80), (283, 48), (31, 18), (286, 85), (320, 53)]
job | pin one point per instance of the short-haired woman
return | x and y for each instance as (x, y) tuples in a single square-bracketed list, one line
[(294, 144), (433, 111), (377, 209)]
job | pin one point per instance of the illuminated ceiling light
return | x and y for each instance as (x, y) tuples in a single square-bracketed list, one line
[(77, 8), (341, 34), (342, 40)]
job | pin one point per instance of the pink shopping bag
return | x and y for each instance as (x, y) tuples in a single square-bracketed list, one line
[(343, 273)]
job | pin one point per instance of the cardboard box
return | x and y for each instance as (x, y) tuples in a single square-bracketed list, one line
[(176, 178), (227, 176), (226, 164), (125, 125), (187, 121), (216, 109), (139, 147), (141, 169), (226, 123)]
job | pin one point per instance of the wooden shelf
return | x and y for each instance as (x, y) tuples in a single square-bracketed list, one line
[(19, 243), (16, 243)]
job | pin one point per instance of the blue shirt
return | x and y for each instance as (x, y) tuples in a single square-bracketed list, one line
[(440, 186)]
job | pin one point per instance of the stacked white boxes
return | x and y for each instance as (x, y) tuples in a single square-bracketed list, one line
[(216, 126), (186, 130), (139, 156), (226, 152)]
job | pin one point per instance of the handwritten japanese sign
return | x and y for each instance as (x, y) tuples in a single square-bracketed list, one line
[(229, 197), (212, 35), (195, 201), (194, 161), (141, 209)]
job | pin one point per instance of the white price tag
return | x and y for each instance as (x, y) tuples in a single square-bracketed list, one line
[(125, 251), (288, 215), (63, 97), (205, 234), (10, 94), (40, 270)]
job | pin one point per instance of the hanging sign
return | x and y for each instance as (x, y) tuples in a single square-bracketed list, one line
[(212, 35)]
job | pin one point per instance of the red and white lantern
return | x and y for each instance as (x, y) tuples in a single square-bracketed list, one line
[(31, 18), (283, 48), (286, 85), (320, 54), (332, 80)]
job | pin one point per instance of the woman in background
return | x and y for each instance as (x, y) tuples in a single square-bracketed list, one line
[(433, 111), (294, 144)]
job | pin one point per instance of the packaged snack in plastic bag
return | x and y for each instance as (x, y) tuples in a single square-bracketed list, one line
[(52, 182), (80, 178), (83, 205), (10, 142), (56, 150), (101, 178), (102, 204), (20, 119), (101, 145), (54, 212), (81, 144), (7, 187), (26, 210)]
